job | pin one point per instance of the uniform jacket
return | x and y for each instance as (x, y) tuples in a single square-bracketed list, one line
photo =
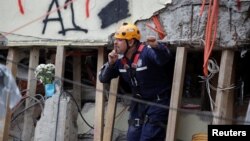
[(152, 72)]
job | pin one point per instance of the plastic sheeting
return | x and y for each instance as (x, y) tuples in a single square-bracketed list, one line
[(9, 88)]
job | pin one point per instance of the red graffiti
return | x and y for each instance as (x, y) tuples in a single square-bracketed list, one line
[(20, 6), (87, 8)]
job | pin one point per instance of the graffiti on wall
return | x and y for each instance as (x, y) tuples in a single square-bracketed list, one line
[(60, 20), (84, 20), (20, 6), (113, 12)]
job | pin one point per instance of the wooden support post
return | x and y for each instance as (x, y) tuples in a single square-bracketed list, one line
[(77, 78), (224, 100), (11, 63), (28, 129), (5, 121), (247, 119), (99, 99), (110, 114), (176, 94), (12, 60), (60, 61)]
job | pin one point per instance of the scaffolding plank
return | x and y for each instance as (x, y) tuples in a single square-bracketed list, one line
[(5, 121), (11, 63), (12, 60), (29, 128), (224, 100), (176, 94), (110, 114), (99, 99), (60, 61), (247, 119)]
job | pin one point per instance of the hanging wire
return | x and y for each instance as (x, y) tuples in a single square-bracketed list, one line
[(121, 112), (79, 110), (58, 111), (31, 97), (213, 68), (16, 116)]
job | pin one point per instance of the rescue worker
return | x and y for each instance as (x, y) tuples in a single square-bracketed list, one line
[(143, 66)]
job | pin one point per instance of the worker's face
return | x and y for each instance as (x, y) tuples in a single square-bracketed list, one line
[(120, 46)]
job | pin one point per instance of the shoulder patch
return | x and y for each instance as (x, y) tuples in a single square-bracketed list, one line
[(139, 63)]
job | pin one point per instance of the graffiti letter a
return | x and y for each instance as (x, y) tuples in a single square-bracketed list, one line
[(46, 20)]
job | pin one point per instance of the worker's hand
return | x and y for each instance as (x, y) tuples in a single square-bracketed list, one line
[(112, 57), (151, 40)]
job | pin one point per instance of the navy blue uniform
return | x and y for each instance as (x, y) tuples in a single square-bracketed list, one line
[(146, 123)]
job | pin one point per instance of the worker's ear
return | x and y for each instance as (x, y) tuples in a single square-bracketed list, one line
[(131, 42)]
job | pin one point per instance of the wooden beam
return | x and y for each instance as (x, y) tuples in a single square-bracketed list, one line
[(99, 99), (224, 100), (28, 129), (60, 61), (110, 114), (11, 63), (5, 120), (247, 118), (12, 60), (77, 78), (176, 94)]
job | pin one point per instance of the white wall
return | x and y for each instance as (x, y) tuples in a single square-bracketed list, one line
[(30, 21)]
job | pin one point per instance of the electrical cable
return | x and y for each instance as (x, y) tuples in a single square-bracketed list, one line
[(36, 100), (22, 101), (213, 68), (41, 96), (79, 110), (14, 118), (83, 136), (58, 111), (122, 111)]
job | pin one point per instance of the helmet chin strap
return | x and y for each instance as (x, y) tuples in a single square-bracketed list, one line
[(125, 53), (129, 47)]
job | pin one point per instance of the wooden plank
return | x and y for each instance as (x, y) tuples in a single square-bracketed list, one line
[(12, 60), (60, 61), (224, 100), (247, 119), (5, 122), (77, 78), (28, 129), (111, 108), (99, 99), (11, 63), (59, 74), (176, 94)]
